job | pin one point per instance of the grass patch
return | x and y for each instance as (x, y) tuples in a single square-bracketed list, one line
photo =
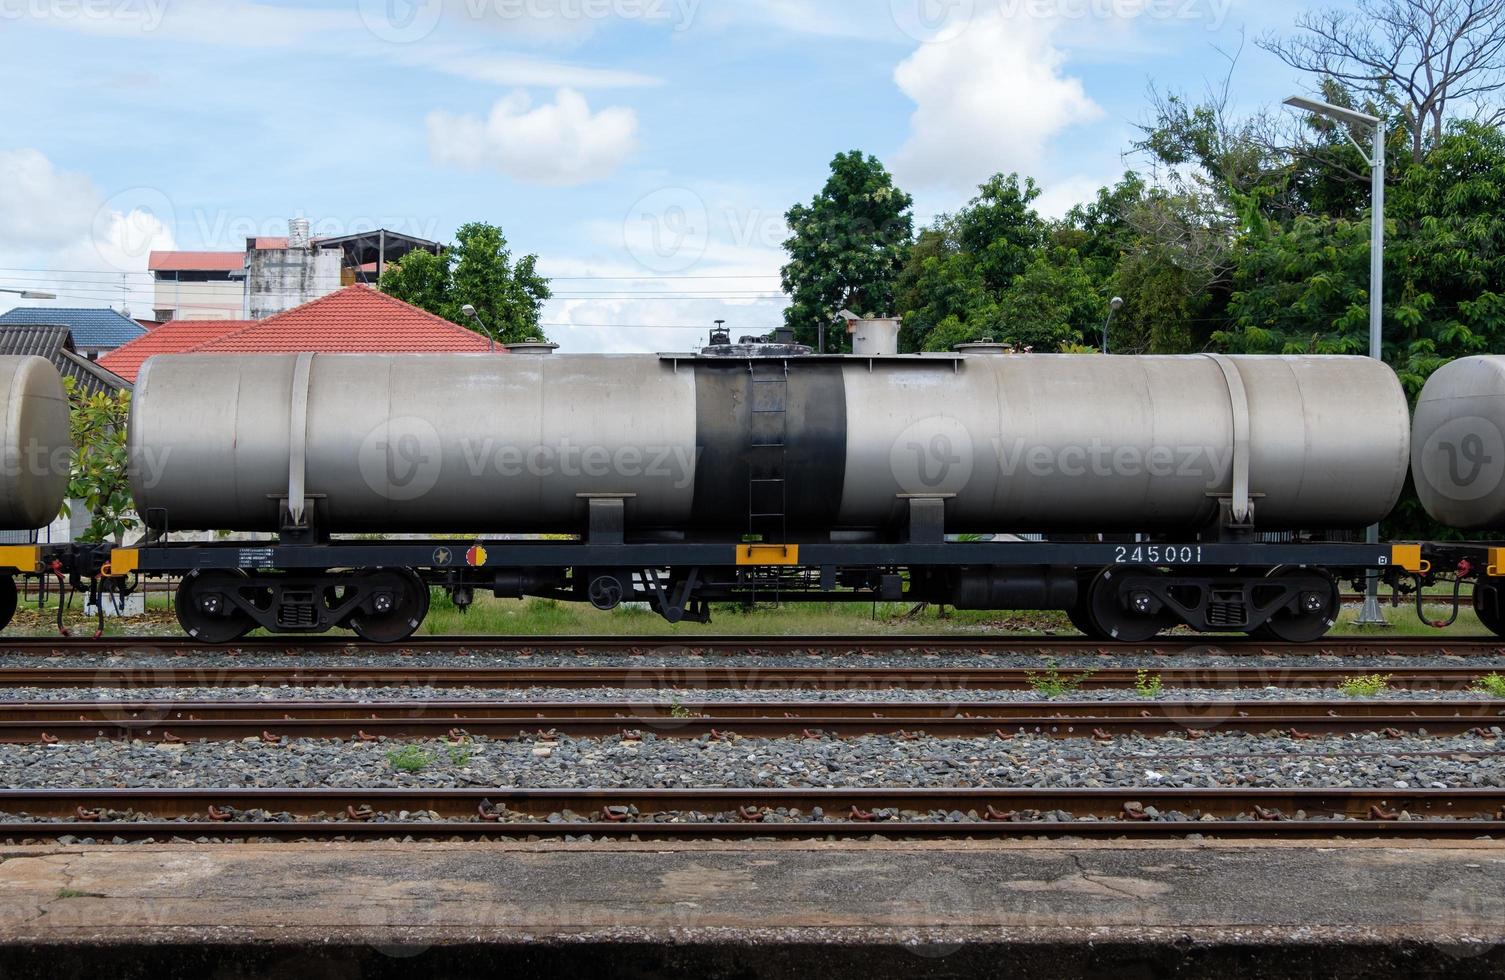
[(409, 758), (1147, 685), (1051, 683), (1491, 684), (1366, 686)]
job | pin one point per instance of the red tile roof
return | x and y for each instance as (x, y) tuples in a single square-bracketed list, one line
[(266, 242), (195, 261), (172, 337), (353, 320)]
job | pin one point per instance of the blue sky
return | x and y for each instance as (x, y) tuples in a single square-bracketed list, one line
[(644, 149)]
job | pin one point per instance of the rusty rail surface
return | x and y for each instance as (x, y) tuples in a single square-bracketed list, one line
[(273, 721), (134, 814)]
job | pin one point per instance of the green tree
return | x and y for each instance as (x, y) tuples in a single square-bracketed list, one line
[(847, 247), (420, 278), (1305, 286), (997, 269), (99, 475), (477, 270), (508, 296)]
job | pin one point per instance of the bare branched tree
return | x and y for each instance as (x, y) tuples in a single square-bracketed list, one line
[(1431, 59)]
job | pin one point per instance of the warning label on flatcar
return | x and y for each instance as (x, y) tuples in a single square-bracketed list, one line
[(255, 558)]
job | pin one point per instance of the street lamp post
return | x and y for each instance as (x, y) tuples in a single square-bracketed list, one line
[(1116, 304), (30, 293), (1371, 614), (470, 311)]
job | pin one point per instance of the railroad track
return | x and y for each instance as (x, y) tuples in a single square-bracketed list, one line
[(717, 676), (221, 720), (857, 644), (134, 814)]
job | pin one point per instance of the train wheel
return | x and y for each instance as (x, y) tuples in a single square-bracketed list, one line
[(1112, 615), (7, 600), (399, 602), (1077, 614), (204, 608), (1317, 609), (1078, 618), (1488, 600)]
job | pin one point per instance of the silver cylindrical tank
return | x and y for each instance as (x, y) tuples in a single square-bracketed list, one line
[(1458, 444), (483, 443), (34, 442), (413, 442), (1059, 442)]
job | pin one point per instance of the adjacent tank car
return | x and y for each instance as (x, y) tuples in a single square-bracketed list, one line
[(34, 461), (1458, 464), (1136, 493)]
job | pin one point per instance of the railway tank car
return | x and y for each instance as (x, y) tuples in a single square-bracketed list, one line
[(1136, 493), (1458, 465), (34, 462)]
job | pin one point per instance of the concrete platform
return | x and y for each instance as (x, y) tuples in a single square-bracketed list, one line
[(872, 910)]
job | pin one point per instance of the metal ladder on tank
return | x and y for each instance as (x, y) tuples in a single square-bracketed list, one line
[(767, 483)]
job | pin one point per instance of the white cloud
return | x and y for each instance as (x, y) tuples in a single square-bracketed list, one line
[(988, 101), (60, 234), (41, 206), (561, 143)]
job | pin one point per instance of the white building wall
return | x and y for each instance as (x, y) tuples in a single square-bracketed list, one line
[(200, 300)]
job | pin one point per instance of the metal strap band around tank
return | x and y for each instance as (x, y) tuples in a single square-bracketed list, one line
[(1239, 401), (297, 438)]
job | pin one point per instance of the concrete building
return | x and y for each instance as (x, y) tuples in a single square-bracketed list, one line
[(197, 285), (272, 274), (280, 278)]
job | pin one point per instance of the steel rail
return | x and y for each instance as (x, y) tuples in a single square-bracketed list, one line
[(220, 720), (741, 813)]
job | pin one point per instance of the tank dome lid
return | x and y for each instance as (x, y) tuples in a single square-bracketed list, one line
[(987, 345), (533, 348)]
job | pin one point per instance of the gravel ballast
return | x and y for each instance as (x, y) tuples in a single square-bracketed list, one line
[(1213, 761)]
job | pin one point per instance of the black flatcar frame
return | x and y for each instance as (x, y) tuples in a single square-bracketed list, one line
[(680, 579)]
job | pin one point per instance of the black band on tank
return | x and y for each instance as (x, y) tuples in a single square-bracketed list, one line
[(798, 433)]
